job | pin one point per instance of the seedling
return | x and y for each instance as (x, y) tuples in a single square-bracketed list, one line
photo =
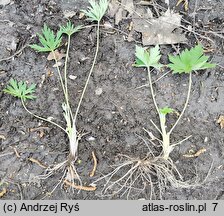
[(49, 43), (187, 62), (161, 167)]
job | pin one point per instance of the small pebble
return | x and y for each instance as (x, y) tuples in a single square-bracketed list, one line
[(72, 77), (90, 138), (99, 91)]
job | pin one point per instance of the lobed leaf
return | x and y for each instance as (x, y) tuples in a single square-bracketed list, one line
[(190, 60), (20, 90), (96, 10), (147, 59), (48, 40), (69, 29)]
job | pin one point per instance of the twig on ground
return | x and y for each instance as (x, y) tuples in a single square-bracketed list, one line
[(92, 173)]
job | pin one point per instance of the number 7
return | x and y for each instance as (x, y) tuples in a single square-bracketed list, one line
[(215, 205)]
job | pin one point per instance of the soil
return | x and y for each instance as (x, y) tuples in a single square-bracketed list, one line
[(114, 119)]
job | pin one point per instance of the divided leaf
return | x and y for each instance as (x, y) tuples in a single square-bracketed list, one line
[(48, 40), (20, 90), (97, 10), (166, 110), (69, 29), (147, 59), (190, 60)]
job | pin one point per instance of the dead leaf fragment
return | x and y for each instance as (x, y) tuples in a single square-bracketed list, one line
[(221, 121), (2, 137), (58, 64), (196, 154), (145, 3), (128, 5), (162, 30), (185, 3), (3, 192), (5, 2), (69, 14), (58, 55), (120, 10)]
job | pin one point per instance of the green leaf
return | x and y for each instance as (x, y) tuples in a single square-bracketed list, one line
[(166, 110), (96, 10), (69, 29), (147, 59), (190, 60), (20, 90), (48, 40)]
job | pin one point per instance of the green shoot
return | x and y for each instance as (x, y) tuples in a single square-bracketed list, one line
[(190, 60), (147, 59), (97, 10), (166, 110), (24, 92), (20, 90), (48, 40), (69, 29), (187, 62)]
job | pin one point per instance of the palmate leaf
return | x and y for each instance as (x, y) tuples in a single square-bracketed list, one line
[(147, 59), (69, 29), (20, 90), (48, 40), (190, 60), (97, 10)]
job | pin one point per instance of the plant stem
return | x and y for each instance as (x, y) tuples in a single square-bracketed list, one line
[(59, 74), (65, 76), (152, 91), (42, 118), (90, 73), (185, 105), (165, 137)]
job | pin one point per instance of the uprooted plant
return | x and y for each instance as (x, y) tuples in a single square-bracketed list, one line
[(50, 43), (157, 171)]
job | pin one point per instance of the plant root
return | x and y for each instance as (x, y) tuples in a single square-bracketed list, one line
[(154, 173), (70, 174), (79, 187), (92, 173)]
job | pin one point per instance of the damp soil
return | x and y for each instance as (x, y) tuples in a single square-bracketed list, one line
[(114, 119)]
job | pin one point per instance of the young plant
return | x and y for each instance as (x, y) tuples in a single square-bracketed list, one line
[(52, 42), (187, 62), (49, 43), (142, 171)]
